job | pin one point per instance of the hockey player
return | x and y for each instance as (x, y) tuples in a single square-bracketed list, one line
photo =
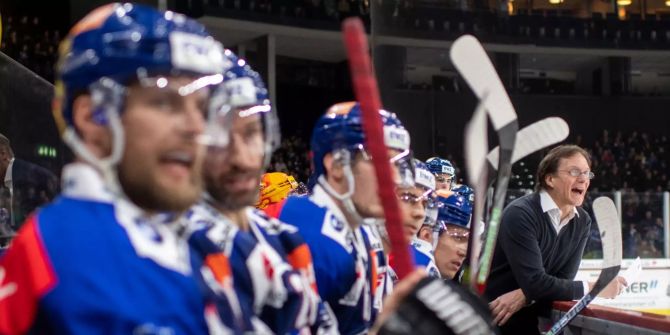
[(271, 264), (423, 247), (415, 202), (275, 188), (466, 191), (453, 218), (110, 255), (444, 172), (344, 193)]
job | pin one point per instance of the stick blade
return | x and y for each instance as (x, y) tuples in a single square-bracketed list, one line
[(472, 62), (534, 137), (609, 226)]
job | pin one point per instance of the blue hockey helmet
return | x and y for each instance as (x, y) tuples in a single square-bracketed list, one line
[(439, 166), (341, 128), (246, 95), (121, 41), (423, 176), (466, 191), (453, 209), (121, 44)]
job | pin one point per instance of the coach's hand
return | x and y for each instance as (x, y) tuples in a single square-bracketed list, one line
[(506, 305), (613, 289)]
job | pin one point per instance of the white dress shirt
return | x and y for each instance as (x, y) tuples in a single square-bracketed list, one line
[(549, 206)]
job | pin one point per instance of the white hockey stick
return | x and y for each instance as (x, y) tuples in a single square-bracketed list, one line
[(610, 236), (472, 62), (476, 145), (534, 137)]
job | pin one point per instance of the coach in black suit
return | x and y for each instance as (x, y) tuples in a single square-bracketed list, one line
[(24, 187)]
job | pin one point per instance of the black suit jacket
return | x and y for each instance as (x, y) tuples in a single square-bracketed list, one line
[(33, 186)]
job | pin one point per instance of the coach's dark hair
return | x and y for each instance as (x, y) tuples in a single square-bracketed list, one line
[(550, 162), (5, 143)]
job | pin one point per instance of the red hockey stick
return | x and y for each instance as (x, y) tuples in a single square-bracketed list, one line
[(367, 94)]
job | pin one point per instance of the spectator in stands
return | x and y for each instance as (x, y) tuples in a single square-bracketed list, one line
[(291, 158)]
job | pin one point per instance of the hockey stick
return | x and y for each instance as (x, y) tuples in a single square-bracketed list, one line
[(610, 235), (532, 138), (474, 65), (367, 94), (476, 145)]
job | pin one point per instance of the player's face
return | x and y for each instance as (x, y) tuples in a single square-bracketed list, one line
[(366, 197), (162, 162), (567, 190), (443, 182), (413, 209), (233, 174), (452, 246)]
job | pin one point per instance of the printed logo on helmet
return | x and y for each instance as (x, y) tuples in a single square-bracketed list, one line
[(196, 53), (448, 169), (241, 91), (425, 178), (396, 138)]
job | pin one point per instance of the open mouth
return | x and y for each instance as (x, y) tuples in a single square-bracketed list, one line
[(577, 191), (181, 161)]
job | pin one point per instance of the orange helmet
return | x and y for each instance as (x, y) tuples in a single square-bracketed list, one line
[(275, 187)]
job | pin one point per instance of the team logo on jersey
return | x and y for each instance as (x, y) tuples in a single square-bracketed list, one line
[(336, 223)]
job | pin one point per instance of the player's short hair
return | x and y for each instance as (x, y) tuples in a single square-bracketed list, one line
[(551, 161)]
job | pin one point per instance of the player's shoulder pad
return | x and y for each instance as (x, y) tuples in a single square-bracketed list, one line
[(316, 223), (270, 224)]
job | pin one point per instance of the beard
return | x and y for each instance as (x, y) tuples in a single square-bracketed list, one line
[(227, 199), (142, 186)]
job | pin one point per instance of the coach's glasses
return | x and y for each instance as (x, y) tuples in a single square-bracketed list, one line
[(577, 173)]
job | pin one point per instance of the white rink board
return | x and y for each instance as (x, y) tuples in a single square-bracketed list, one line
[(649, 293)]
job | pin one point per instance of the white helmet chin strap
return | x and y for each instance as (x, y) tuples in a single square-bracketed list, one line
[(343, 157), (105, 99)]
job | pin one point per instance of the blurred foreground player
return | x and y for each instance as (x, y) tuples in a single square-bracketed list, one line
[(272, 266), (345, 193), (111, 255), (540, 244)]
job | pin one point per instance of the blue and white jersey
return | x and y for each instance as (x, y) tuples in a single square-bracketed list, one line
[(344, 267), (423, 256), (277, 296), (94, 263), (384, 283)]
